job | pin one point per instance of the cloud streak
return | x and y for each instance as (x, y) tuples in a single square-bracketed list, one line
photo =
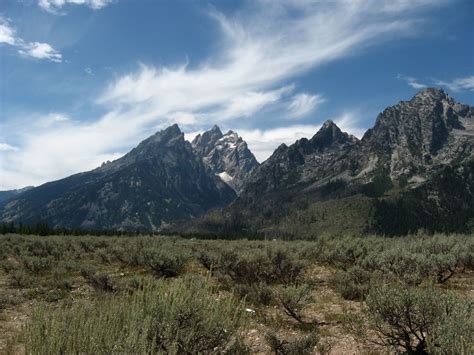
[(459, 84), (413, 82), (303, 104), (55, 6)]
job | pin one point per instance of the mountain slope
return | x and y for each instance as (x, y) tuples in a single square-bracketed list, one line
[(334, 183), (227, 155), (159, 182), (7, 194)]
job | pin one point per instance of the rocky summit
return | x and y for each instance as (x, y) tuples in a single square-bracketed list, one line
[(227, 155), (412, 170), (159, 182)]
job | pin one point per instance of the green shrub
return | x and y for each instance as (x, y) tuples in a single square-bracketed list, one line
[(104, 256), (455, 334), (298, 345), (417, 319), (182, 316), (37, 264), (163, 265), (20, 279), (208, 260), (294, 299), (101, 281), (257, 293), (10, 298), (272, 266), (9, 265), (238, 347), (352, 284), (285, 268)]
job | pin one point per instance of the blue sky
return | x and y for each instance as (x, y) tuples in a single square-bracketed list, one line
[(83, 81)]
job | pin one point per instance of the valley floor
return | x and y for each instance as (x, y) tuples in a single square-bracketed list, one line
[(339, 295)]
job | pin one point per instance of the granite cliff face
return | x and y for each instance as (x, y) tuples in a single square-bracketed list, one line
[(159, 182), (416, 137), (333, 181), (410, 140), (227, 155)]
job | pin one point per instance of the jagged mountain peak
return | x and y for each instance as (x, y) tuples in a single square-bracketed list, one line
[(432, 94), (329, 124), (227, 155), (330, 134), (167, 136), (412, 137), (159, 182), (204, 143), (216, 129), (413, 169)]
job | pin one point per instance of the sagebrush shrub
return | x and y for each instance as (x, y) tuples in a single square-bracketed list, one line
[(37, 265), (164, 265), (352, 284), (295, 346), (20, 279), (101, 281), (9, 265), (294, 299), (181, 316), (257, 293), (417, 319)]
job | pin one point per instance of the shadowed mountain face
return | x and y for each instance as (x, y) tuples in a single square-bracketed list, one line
[(159, 182), (227, 155), (8, 194), (400, 170)]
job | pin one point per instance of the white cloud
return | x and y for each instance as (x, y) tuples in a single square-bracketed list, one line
[(7, 33), (262, 49), (4, 147), (54, 6), (413, 82), (459, 84), (36, 50), (53, 118), (263, 142), (348, 122), (41, 51), (302, 104)]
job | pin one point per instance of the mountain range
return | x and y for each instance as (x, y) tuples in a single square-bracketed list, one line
[(413, 170)]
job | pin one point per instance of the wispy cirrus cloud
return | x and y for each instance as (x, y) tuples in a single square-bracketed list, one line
[(411, 81), (302, 104), (55, 6), (38, 50), (262, 48), (459, 84)]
